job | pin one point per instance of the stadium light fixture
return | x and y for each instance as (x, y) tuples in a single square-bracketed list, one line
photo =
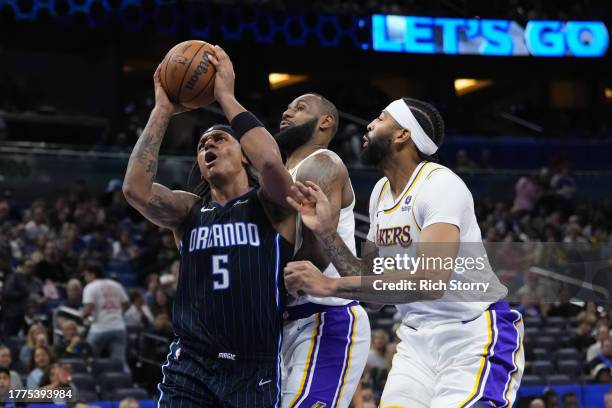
[(279, 80), (467, 85)]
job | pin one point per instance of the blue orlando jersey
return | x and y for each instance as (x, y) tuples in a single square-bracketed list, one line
[(230, 294)]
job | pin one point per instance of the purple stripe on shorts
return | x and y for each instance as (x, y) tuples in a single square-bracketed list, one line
[(330, 360), (502, 361)]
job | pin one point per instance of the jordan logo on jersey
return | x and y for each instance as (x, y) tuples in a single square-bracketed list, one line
[(224, 235), (393, 236)]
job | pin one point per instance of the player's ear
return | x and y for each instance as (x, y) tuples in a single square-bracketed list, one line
[(326, 122), (401, 136)]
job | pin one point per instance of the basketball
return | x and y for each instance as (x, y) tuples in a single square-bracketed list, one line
[(187, 75)]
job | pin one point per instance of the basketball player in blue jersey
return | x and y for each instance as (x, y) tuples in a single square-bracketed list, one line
[(459, 348), (234, 238), (326, 340)]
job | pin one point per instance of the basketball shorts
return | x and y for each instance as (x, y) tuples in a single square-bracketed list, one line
[(478, 363), (203, 381), (324, 355)]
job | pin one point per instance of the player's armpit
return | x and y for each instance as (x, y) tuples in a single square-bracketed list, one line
[(162, 206)]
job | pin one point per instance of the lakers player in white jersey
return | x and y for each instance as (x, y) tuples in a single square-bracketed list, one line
[(459, 348), (325, 339)]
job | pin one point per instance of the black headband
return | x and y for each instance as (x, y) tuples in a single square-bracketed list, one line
[(222, 128)]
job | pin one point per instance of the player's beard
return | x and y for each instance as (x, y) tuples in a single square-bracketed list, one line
[(291, 138), (376, 150)]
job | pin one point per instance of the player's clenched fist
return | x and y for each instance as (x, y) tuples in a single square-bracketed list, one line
[(303, 277)]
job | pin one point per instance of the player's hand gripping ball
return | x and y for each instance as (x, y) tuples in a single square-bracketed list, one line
[(187, 75)]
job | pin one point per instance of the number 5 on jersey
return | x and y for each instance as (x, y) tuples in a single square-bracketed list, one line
[(221, 281)]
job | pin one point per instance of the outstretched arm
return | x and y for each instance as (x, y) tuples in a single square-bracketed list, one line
[(302, 276), (157, 203), (320, 216), (258, 144)]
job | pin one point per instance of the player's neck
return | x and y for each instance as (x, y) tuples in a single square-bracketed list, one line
[(398, 172), (303, 152), (226, 191)]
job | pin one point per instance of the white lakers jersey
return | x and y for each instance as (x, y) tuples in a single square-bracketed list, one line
[(346, 231), (434, 194)]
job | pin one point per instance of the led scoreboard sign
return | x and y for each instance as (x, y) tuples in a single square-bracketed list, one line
[(457, 36)]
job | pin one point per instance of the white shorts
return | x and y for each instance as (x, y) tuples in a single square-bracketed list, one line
[(462, 364), (324, 355)]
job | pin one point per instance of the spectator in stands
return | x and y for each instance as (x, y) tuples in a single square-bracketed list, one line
[(98, 245), (527, 192), (563, 307), (601, 374), (50, 267), (530, 306), (41, 361), (20, 288), (124, 248), (608, 399), (551, 399), (570, 400), (162, 325), (70, 344), (57, 377), (463, 162), (537, 403), (161, 302), (605, 356), (5, 362), (37, 336), (367, 394), (37, 225), (582, 339), (104, 301), (169, 280), (602, 334), (152, 281), (80, 404), (378, 348), (129, 402), (5, 384), (74, 294), (589, 314), (138, 314)]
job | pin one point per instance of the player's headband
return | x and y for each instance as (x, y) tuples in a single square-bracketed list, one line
[(404, 116), (222, 128)]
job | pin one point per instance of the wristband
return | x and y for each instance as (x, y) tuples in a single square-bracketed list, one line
[(243, 122)]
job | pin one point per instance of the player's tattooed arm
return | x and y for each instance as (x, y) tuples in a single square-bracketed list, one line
[(318, 215), (157, 203)]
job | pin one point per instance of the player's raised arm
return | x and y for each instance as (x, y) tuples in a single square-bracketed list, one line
[(157, 203), (258, 144)]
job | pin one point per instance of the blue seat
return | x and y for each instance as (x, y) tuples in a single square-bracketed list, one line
[(530, 379), (557, 379), (571, 368), (542, 367)]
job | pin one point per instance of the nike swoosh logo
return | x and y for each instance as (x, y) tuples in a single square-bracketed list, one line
[(206, 209), (264, 382), (241, 202)]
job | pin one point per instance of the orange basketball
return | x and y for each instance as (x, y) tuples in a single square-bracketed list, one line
[(187, 75)]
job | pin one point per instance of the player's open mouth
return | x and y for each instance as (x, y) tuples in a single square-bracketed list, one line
[(285, 124), (365, 141), (209, 157)]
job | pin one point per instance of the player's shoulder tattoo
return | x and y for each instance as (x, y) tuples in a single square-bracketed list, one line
[(325, 170)]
